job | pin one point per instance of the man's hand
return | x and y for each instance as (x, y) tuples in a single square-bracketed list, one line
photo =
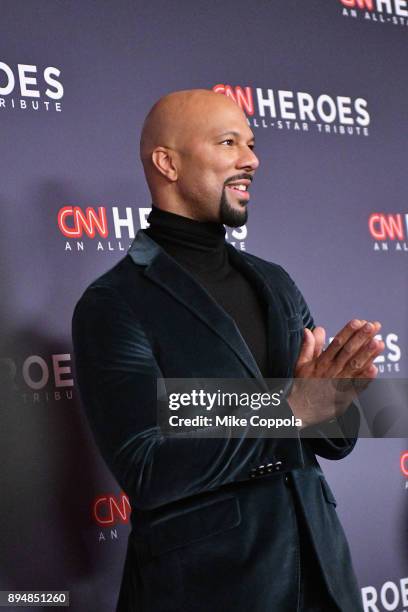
[(349, 356)]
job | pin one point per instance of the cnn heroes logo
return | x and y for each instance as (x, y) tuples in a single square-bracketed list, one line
[(300, 111), (404, 467), (39, 379), (27, 87), (394, 12), (391, 596), (404, 463), (389, 231), (109, 511), (114, 228)]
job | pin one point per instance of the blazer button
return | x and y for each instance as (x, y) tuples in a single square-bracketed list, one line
[(286, 479), (278, 466)]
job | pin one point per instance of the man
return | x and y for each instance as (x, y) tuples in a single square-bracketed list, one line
[(222, 524)]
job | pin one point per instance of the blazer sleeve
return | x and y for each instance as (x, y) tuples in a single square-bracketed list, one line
[(335, 439), (116, 372)]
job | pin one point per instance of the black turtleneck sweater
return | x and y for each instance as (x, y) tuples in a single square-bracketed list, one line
[(200, 248)]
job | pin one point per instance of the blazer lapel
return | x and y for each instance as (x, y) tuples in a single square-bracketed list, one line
[(166, 272)]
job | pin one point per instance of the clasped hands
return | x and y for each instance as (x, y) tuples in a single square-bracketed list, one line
[(327, 381)]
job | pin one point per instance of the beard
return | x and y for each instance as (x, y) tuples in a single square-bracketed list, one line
[(231, 216)]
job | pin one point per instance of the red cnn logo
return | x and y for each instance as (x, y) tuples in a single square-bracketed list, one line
[(383, 226), (361, 4), (89, 221), (242, 96), (108, 509), (404, 463)]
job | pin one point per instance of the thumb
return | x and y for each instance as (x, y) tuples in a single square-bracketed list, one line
[(307, 350), (319, 334)]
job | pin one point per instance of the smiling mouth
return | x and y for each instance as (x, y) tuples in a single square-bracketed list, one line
[(239, 190), (238, 187)]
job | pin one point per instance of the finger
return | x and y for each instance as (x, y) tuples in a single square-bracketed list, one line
[(319, 334), (307, 350), (362, 381), (370, 372), (358, 349), (364, 358), (338, 342), (350, 349), (364, 378)]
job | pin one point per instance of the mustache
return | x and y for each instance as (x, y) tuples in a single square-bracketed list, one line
[(238, 177)]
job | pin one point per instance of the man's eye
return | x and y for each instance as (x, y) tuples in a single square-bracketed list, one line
[(252, 147), (228, 140)]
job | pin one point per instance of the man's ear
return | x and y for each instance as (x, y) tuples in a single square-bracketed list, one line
[(164, 160)]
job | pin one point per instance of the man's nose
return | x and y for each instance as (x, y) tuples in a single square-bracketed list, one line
[(248, 159)]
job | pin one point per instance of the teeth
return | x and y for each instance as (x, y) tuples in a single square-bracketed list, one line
[(240, 187)]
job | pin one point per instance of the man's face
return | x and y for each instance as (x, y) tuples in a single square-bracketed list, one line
[(217, 163)]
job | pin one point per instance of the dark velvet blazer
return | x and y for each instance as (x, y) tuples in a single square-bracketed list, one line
[(213, 520)]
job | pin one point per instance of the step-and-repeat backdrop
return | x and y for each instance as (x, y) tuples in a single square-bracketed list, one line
[(324, 87)]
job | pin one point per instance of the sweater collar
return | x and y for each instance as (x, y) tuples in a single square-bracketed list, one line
[(180, 231)]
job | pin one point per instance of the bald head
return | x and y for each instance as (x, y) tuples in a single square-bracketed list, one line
[(173, 118), (179, 129)]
